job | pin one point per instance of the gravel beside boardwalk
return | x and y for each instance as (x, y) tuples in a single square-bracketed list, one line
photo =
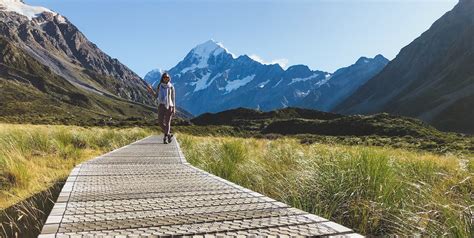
[(147, 189)]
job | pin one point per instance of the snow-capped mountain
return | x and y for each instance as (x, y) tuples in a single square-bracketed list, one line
[(211, 79), (54, 41), (49, 69), (19, 7)]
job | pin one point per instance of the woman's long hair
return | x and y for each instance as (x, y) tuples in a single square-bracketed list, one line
[(165, 75)]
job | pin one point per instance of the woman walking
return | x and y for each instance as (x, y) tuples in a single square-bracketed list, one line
[(166, 105)]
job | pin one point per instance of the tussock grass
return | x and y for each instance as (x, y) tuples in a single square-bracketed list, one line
[(34, 157), (374, 190)]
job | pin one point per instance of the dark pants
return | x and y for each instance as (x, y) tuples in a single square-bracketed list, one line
[(164, 118)]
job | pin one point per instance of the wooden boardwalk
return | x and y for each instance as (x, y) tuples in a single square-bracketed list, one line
[(147, 189)]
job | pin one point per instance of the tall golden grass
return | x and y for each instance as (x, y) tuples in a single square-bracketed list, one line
[(374, 190), (34, 157)]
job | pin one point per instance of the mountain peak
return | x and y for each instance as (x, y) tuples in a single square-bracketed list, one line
[(380, 57), (209, 47), (298, 67), (21, 8), (365, 60), (204, 55)]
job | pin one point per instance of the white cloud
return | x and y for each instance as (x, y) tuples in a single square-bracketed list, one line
[(282, 62)]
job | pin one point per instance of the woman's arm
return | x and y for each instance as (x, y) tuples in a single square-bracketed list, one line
[(151, 91), (173, 97)]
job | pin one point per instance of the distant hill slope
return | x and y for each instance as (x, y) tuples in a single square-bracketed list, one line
[(378, 124), (431, 79), (236, 116)]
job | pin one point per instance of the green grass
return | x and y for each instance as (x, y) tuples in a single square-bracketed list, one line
[(34, 157), (374, 190)]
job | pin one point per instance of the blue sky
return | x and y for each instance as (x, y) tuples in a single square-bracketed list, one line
[(323, 34)]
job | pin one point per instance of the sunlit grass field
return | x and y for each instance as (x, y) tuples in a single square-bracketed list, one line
[(374, 190), (34, 157)]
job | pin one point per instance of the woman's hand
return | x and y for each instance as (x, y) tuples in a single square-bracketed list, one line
[(149, 88), (173, 111)]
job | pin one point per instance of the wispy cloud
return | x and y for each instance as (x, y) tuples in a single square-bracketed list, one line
[(282, 62)]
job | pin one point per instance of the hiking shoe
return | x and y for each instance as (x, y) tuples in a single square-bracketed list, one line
[(165, 140), (170, 138)]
